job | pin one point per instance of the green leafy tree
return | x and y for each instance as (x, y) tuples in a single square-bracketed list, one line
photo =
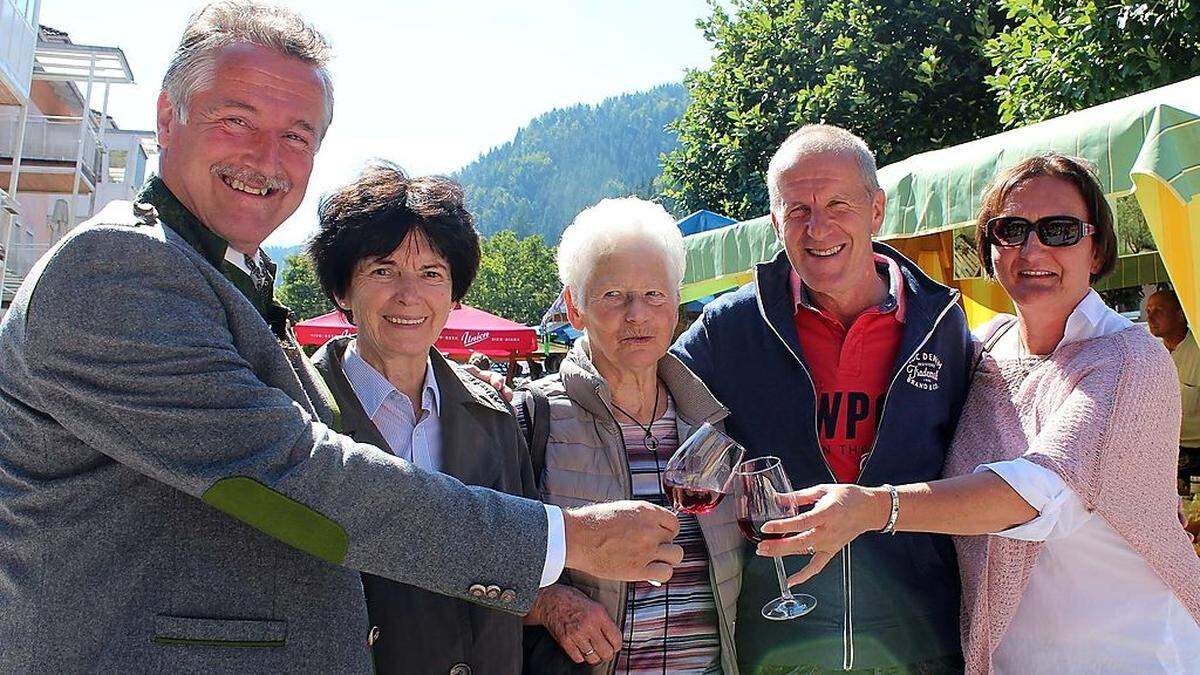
[(1133, 233), (518, 278), (300, 289), (906, 75), (1065, 55)]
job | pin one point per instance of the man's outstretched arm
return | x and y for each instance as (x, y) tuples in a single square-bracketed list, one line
[(150, 376)]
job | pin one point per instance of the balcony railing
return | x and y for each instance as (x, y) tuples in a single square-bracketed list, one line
[(21, 257), (52, 139), (17, 39)]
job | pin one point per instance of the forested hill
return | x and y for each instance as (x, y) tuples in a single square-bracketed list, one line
[(570, 158), (278, 255)]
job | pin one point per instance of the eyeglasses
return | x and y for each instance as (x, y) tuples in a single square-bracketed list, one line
[(1056, 231)]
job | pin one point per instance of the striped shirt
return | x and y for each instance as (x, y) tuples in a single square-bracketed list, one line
[(692, 641)]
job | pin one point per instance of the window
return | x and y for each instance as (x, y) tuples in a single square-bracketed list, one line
[(116, 165)]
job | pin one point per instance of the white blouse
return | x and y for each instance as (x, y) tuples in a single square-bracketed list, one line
[(1092, 602)]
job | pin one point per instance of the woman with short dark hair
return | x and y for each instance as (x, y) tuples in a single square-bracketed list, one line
[(1061, 476), (1070, 170), (395, 254)]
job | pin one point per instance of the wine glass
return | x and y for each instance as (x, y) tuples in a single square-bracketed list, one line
[(760, 482), (697, 476)]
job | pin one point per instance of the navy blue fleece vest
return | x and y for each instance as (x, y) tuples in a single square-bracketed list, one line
[(887, 599)]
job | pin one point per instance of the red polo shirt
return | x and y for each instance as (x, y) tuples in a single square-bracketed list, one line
[(851, 369)]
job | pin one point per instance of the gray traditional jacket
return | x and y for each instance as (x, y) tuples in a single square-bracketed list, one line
[(172, 499), (417, 631), (586, 463)]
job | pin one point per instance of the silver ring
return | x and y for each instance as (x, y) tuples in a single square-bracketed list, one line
[(589, 652), (811, 550)]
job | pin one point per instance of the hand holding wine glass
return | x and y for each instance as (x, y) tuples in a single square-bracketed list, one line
[(698, 475), (839, 513), (622, 540), (762, 485)]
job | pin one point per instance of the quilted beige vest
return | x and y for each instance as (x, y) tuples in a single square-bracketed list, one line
[(586, 464)]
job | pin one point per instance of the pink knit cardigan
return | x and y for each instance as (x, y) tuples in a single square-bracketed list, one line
[(1103, 414)]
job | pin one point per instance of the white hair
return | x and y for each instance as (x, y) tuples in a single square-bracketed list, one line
[(604, 228), (230, 22), (814, 139)]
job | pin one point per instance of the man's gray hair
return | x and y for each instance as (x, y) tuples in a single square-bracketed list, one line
[(813, 139), (229, 22)]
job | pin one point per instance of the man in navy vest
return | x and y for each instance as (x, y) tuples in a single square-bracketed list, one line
[(846, 361)]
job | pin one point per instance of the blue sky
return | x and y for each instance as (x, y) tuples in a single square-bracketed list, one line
[(429, 84)]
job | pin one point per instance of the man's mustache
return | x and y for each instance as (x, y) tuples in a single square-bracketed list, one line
[(251, 177)]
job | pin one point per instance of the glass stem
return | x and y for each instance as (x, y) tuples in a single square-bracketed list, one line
[(783, 585)]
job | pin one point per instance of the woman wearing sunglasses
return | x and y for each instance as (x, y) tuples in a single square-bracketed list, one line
[(1061, 476)]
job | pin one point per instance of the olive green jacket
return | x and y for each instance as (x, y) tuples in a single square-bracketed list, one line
[(417, 631)]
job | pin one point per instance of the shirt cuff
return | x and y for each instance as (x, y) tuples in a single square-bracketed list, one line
[(556, 546), (1040, 487)]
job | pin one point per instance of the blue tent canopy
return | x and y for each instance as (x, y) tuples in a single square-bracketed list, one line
[(703, 221)]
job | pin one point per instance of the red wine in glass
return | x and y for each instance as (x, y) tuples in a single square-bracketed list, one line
[(697, 476), (752, 530), (693, 500), (760, 483)]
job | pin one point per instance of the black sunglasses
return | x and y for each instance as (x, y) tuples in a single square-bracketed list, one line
[(1056, 231)]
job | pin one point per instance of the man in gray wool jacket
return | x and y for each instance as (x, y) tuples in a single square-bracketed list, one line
[(172, 495)]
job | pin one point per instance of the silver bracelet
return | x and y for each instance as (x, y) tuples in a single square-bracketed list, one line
[(890, 528)]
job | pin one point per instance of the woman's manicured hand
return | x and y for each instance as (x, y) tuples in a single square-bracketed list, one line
[(839, 514)]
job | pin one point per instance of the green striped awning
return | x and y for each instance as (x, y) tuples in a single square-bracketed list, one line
[(1156, 133)]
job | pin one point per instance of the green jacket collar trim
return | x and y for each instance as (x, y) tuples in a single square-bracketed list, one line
[(173, 214)]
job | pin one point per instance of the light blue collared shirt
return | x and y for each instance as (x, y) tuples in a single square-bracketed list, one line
[(414, 436), (418, 439)]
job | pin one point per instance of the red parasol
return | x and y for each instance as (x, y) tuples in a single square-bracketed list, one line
[(467, 330), (474, 330), (318, 330)]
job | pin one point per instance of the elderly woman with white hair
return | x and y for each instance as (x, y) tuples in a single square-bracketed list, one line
[(618, 408)]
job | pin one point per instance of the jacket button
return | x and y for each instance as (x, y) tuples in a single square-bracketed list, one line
[(508, 597), (372, 636), (460, 669), (145, 212), (478, 590), (493, 592)]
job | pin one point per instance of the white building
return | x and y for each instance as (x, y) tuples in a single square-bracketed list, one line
[(60, 160), (18, 38)]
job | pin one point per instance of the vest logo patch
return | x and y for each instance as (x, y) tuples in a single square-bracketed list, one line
[(923, 371)]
